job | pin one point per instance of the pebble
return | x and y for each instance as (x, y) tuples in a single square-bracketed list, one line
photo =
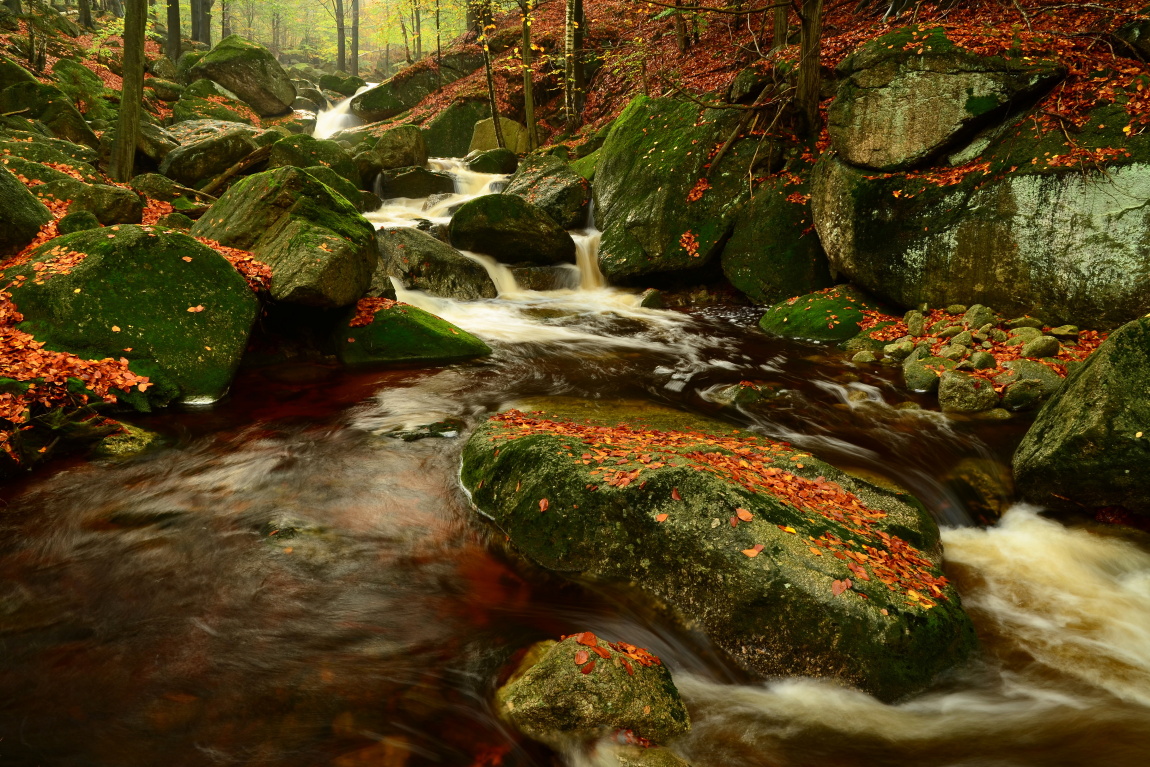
[(956, 309), (1043, 346)]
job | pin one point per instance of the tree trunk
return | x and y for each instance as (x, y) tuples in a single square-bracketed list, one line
[(417, 29), (355, 38), (406, 46), (128, 129), (85, 14), (438, 42), (172, 43), (810, 51), (195, 16), (528, 84), (779, 38), (340, 37), (206, 21), (484, 17), (680, 28), (225, 20), (570, 53)]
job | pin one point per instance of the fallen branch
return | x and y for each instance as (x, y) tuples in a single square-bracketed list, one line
[(254, 158)]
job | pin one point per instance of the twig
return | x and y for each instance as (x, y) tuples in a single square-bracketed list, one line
[(1092, 6), (1025, 16)]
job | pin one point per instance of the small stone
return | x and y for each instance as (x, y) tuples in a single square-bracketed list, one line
[(978, 316), (954, 352), (956, 309), (1043, 346), (938, 327), (924, 308), (915, 323), (961, 393), (652, 298), (950, 331), (908, 405), (983, 361), (965, 365), (997, 335), (987, 345), (1023, 335), (963, 339), (921, 374), (863, 358), (1024, 322), (979, 337), (985, 329), (1065, 332), (1022, 395), (899, 351)]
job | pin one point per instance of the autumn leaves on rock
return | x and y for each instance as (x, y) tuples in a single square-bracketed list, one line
[(797, 568)]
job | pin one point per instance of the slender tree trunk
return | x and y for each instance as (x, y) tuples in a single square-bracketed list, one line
[(355, 38), (225, 20), (85, 14), (417, 29), (528, 84), (172, 44), (406, 46), (483, 12), (438, 41), (195, 14), (340, 34), (206, 21), (810, 51), (128, 129), (680, 28), (779, 37), (570, 53)]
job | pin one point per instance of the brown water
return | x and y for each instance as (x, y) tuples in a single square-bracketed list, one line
[(286, 584)]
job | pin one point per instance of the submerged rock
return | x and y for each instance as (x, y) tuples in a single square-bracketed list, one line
[(174, 307), (420, 261), (794, 567), (1088, 445), (320, 249), (381, 330), (512, 230)]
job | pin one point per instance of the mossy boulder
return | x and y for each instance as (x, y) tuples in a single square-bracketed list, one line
[(35, 146), (320, 249), (549, 184), (302, 151), (501, 161), (900, 106), (184, 64), (52, 107), (194, 163), (1024, 233), (557, 698), (401, 147), (654, 158), (21, 214), (414, 183), (341, 82), (162, 188), (585, 166), (512, 230), (515, 136), (110, 204), (251, 72), (420, 261), (413, 84), (448, 134), (832, 314), (401, 333), (787, 564), (85, 88), (176, 309), (192, 131), (774, 252), (347, 190), (77, 221), (153, 144), (1088, 446), (12, 73), (127, 442), (213, 107)]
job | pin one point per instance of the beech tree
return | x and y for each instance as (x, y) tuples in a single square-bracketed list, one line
[(172, 42), (132, 95)]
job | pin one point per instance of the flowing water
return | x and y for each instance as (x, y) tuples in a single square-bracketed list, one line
[(289, 583), (339, 117)]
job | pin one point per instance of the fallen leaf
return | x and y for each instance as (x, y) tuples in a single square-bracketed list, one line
[(581, 657), (187, 258), (838, 587), (744, 515), (753, 552), (543, 504), (115, 328), (195, 309), (588, 668), (660, 517), (675, 494)]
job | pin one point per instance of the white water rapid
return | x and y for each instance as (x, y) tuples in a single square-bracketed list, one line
[(331, 121)]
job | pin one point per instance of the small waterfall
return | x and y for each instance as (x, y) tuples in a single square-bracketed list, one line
[(587, 259), (332, 121), (499, 273), (468, 183)]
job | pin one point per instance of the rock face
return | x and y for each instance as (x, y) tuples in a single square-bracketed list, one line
[(899, 106), (644, 178), (380, 330), (1061, 243), (512, 230), (549, 183), (550, 697), (515, 136), (777, 579), (773, 252), (449, 132), (412, 85), (420, 261), (1088, 445), (401, 147), (127, 292), (303, 151), (320, 249), (50, 106), (199, 161), (21, 214), (251, 72), (414, 183)]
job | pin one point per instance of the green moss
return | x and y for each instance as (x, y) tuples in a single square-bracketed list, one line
[(403, 333), (979, 105), (448, 134), (305, 151), (833, 314)]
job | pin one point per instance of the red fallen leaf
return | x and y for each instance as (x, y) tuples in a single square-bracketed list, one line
[(838, 587), (734, 521), (587, 639), (660, 517), (675, 494), (857, 570), (588, 668), (581, 657), (753, 551), (602, 652), (543, 504), (627, 665), (744, 515)]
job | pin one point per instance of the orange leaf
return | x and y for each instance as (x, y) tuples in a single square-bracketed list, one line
[(588, 668), (660, 517), (675, 494), (744, 515), (543, 504), (581, 657), (753, 552)]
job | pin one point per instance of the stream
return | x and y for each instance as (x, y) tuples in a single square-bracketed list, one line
[(289, 582)]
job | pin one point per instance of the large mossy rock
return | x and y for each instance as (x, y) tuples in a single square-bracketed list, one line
[(555, 697), (774, 252), (33, 146), (1022, 232), (176, 309), (191, 106), (515, 136), (21, 214), (320, 249), (110, 204), (12, 73), (548, 183), (251, 72), (401, 147), (422, 262), (412, 85), (449, 132), (86, 90), (789, 565), (192, 131), (652, 160), (302, 151), (512, 230), (414, 183), (901, 105), (194, 163), (52, 107), (384, 331), (1089, 445)]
